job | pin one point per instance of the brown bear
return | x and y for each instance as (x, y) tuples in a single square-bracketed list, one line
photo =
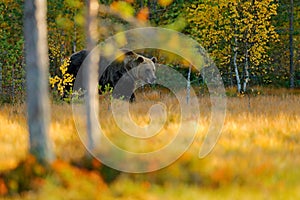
[(130, 69)]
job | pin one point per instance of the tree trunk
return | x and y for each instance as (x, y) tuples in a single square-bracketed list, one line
[(36, 50), (292, 69), (13, 85), (1, 93), (235, 50), (246, 72), (74, 38), (231, 75), (188, 86), (152, 5), (91, 73)]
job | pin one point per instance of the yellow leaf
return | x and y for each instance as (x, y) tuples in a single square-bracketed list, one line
[(165, 2), (122, 8)]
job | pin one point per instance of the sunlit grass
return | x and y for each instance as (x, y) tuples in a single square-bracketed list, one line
[(257, 155), (13, 136)]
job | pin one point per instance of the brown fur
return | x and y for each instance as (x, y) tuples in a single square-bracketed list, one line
[(133, 67)]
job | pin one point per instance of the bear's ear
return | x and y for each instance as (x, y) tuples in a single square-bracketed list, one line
[(154, 59), (127, 52), (140, 59)]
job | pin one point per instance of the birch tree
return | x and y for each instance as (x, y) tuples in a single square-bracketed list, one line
[(235, 33), (91, 72), (36, 50)]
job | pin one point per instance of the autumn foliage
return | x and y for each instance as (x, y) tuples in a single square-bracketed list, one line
[(259, 28)]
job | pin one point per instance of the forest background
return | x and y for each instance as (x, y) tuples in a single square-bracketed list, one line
[(253, 43)]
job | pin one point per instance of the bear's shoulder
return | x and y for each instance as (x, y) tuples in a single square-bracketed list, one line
[(78, 57)]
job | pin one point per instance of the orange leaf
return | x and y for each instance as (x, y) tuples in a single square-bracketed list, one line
[(143, 14), (3, 188)]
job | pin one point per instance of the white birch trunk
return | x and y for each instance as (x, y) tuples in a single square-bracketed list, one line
[(246, 67), (36, 49), (238, 80), (91, 74)]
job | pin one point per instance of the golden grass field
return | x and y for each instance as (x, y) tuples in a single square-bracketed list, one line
[(257, 155)]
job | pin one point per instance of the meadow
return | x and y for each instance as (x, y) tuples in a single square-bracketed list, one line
[(257, 155)]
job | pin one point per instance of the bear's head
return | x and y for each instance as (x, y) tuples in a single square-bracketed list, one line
[(139, 67)]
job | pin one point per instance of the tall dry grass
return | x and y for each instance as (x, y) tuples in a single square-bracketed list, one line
[(259, 145)]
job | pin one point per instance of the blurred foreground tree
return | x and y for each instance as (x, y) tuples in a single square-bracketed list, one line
[(91, 72), (36, 50)]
